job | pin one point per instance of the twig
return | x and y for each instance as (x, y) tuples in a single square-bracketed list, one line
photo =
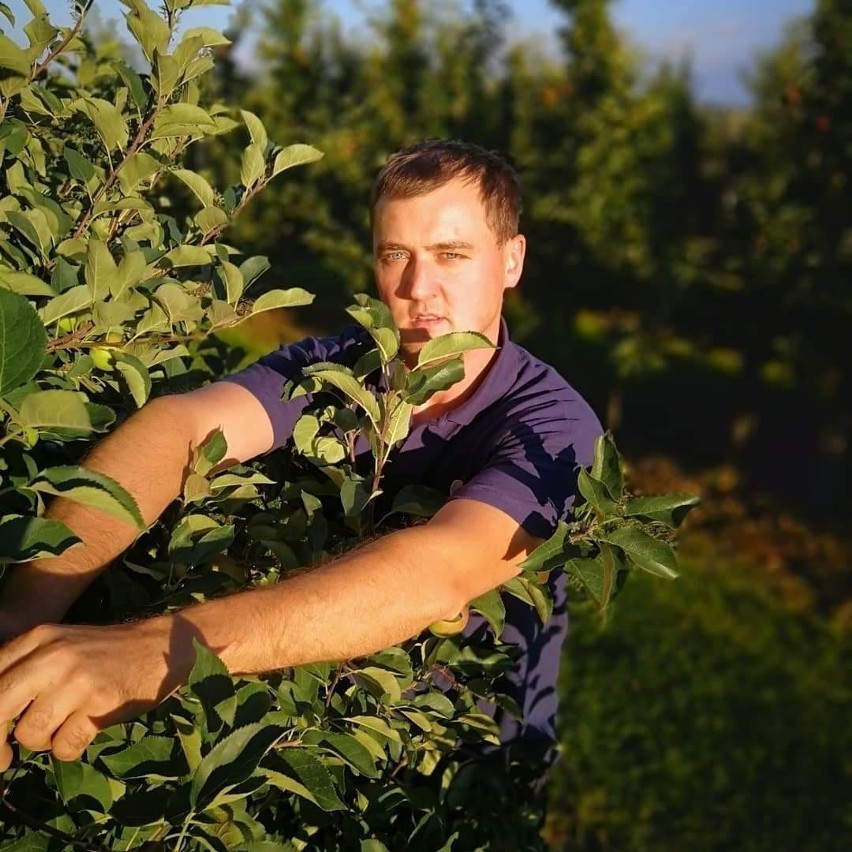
[(71, 340), (113, 175), (63, 44)]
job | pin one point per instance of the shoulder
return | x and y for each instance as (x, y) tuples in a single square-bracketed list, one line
[(290, 357), (540, 399)]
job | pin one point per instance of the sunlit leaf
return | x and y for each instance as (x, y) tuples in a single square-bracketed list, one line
[(294, 155), (647, 553), (90, 488), (232, 760), (454, 343), (24, 538)]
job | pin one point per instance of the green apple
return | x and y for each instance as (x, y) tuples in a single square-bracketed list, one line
[(451, 626), (103, 357)]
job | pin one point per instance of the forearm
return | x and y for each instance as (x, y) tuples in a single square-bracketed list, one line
[(147, 455), (371, 599)]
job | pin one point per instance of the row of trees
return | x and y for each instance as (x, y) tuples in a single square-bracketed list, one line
[(677, 251)]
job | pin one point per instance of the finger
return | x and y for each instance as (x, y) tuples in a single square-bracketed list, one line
[(74, 736), (6, 755), (22, 674), (43, 718)]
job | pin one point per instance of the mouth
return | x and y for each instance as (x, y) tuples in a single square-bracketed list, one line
[(425, 320)]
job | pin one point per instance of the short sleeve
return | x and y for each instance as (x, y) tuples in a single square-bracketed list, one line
[(531, 474), (266, 378)]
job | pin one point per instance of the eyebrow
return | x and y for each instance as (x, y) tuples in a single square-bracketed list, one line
[(451, 245)]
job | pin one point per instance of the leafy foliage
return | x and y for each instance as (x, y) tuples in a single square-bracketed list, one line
[(108, 295)]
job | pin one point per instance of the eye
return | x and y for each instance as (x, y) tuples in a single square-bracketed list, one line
[(452, 255), (394, 255)]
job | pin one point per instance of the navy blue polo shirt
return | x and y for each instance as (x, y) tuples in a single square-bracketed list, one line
[(515, 443)]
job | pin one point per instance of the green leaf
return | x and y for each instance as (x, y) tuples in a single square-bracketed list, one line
[(76, 299), (188, 256), (134, 85), (23, 341), (380, 683), (233, 281), (209, 218), (253, 267), (550, 553), (669, 509), (109, 122), (232, 760), (13, 58), (148, 28), (101, 270), (209, 37), (199, 186), (79, 167), (137, 168), (152, 755), (647, 553), (136, 374), (82, 787), (419, 500), (182, 119), (351, 387), (354, 496), (64, 412), (5, 10), (22, 538), (255, 128), (31, 841), (454, 343), (252, 167), (376, 318), (295, 297), (212, 451), (131, 270), (348, 747), (491, 607), (33, 226), (532, 594), (606, 466), (25, 284), (596, 493), (314, 776), (89, 488), (294, 155), (398, 423), (206, 665), (592, 576), (423, 383)]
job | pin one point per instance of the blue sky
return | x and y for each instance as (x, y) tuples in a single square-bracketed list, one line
[(720, 36)]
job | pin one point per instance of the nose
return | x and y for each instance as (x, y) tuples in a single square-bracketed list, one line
[(419, 281)]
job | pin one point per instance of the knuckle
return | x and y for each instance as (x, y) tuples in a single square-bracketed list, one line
[(31, 738), (43, 633), (71, 741)]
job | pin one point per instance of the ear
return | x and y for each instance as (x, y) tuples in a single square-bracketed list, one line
[(514, 252)]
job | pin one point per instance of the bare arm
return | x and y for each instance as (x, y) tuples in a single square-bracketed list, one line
[(381, 594), (148, 455), (385, 592)]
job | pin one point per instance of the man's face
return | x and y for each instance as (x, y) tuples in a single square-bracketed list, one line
[(438, 265)]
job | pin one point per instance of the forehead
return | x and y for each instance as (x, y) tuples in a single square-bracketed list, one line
[(451, 211)]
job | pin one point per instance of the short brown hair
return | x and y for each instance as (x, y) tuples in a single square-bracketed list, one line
[(425, 166)]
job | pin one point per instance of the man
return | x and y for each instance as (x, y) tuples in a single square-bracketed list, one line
[(505, 441)]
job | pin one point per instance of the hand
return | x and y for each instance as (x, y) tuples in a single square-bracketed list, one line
[(15, 621), (66, 683)]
